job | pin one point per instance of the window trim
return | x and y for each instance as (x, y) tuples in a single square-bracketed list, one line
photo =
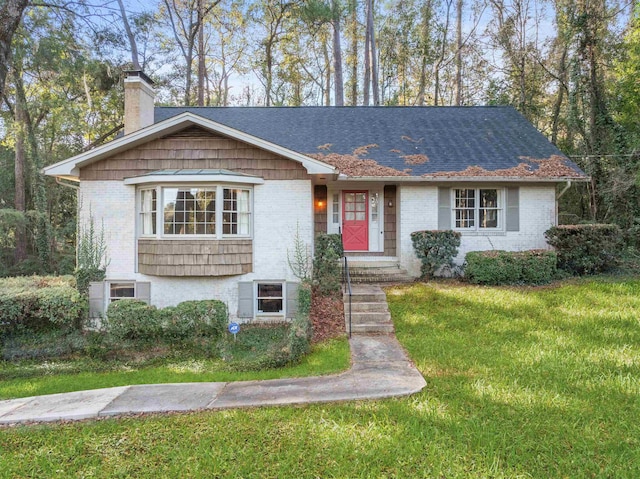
[(219, 203), (501, 200), (256, 299)]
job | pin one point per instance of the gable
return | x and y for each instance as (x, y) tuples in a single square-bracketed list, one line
[(194, 148)]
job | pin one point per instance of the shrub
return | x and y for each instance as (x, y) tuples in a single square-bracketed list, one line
[(304, 299), (39, 303), (510, 267), (435, 249), (586, 249), (194, 319), (133, 319), (326, 263)]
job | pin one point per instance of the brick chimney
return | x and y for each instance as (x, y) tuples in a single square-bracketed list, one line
[(138, 101)]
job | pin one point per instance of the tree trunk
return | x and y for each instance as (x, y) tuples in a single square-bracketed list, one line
[(374, 57), (557, 105), (338, 82), (201, 59), (458, 87), (20, 204), (327, 78), (132, 39), (10, 15), (353, 32), (367, 58)]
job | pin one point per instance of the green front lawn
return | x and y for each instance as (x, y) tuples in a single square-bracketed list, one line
[(31, 378), (522, 382)]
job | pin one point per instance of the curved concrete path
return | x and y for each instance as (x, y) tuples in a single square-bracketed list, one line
[(380, 369)]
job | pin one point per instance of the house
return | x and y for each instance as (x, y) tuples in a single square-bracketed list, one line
[(206, 202)]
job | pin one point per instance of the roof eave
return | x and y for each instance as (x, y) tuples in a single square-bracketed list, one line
[(69, 168)]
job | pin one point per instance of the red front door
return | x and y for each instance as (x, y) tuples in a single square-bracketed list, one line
[(355, 224)]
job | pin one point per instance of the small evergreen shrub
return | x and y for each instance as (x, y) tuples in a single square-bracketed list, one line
[(194, 319), (327, 272), (132, 319), (510, 267), (38, 303), (586, 249), (304, 299), (435, 249)]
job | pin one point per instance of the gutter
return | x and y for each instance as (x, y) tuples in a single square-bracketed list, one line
[(68, 185)]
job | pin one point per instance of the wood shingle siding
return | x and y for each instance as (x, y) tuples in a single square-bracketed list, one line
[(195, 257), (390, 220), (198, 151)]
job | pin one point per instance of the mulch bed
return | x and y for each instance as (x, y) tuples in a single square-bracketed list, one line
[(327, 316)]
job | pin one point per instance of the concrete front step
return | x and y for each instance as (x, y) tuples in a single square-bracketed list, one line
[(363, 307), (371, 328), (369, 310), (382, 279)]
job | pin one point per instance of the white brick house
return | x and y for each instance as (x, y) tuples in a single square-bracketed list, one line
[(202, 203)]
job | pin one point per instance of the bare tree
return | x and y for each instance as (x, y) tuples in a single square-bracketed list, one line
[(130, 37)]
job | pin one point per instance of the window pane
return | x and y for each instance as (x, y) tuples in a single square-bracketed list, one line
[(488, 218), (148, 211), (121, 290), (465, 198), (336, 208), (269, 290), (465, 218), (489, 198), (189, 211), (236, 212), (270, 305)]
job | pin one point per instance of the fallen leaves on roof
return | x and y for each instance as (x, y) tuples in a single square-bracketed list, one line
[(326, 146), (556, 166), (415, 159), (363, 150), (408, 138), (352, 165)]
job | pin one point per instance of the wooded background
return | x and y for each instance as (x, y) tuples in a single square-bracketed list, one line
[(571, 67)]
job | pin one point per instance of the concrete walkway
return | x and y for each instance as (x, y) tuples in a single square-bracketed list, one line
[(380, 369)]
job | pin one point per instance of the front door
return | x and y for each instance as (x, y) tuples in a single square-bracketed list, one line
[(355, 223)]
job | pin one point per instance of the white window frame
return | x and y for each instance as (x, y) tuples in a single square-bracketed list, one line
[(257, 298), (219, 189), (501, 198), (143, 214), (111, 299)]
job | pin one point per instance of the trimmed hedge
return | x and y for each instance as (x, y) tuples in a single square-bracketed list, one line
[(586, 249), (39, 303), (327, 272), (435, 249), (510, 267), (135, 320), (132, 319), (194, 319)]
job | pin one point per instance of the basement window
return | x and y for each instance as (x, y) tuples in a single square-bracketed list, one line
[(270, 298), (119, 291)]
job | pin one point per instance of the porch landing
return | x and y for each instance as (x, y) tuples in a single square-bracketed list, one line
[(376, 270)]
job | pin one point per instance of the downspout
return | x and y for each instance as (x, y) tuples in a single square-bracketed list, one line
[(560, 195)]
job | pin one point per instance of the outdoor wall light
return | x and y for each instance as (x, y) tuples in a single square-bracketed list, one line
[(390, 204), (320, 203)]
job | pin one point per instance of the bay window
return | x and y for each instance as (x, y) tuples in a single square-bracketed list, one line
[(477, 208), (211, 211)]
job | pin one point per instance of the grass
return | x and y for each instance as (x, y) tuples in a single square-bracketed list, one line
[(522, 383), (30, 378)]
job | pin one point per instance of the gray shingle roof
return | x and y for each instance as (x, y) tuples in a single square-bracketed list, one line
[(447, 139)]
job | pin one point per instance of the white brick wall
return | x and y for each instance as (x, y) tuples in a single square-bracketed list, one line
[(419, 211), (278, 208)]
